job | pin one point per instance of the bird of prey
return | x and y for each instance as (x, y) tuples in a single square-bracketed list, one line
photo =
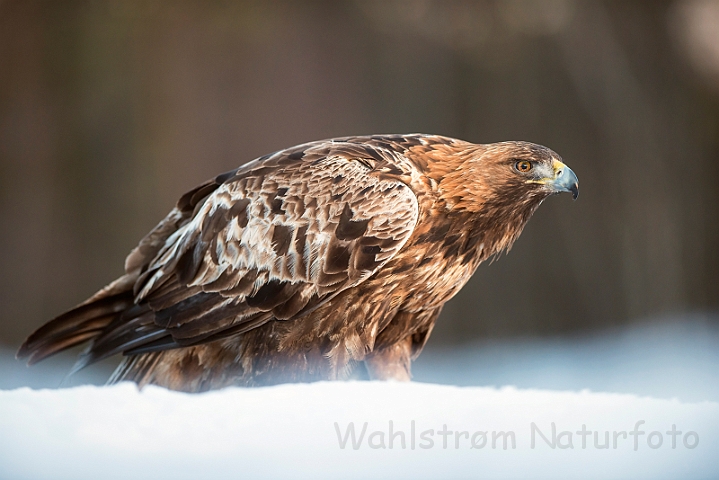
[(328, 260)]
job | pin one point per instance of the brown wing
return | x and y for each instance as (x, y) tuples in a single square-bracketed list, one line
[(275, 239)]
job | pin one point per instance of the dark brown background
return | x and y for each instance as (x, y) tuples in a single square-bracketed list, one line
[(110, 110)]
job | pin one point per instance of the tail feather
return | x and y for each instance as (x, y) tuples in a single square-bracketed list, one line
[(72, 328), (45, 350), (120, 345)]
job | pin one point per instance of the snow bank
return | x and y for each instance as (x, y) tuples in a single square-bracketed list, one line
[(301, 431)]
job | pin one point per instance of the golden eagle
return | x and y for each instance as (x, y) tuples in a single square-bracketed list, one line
[(328, 260)]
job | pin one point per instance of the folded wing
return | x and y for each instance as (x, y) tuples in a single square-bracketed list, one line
[(273, 239)]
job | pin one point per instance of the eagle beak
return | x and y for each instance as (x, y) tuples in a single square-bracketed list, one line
[(564, 179)]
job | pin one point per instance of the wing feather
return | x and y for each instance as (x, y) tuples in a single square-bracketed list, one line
[(276, 239)]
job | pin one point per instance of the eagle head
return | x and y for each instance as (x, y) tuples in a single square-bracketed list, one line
[(500, 185), (523, 169), (506, 176)]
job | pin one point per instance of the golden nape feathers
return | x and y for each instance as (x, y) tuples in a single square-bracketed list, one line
[(328, 260)]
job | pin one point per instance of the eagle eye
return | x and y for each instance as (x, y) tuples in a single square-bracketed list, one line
[(523, 166)]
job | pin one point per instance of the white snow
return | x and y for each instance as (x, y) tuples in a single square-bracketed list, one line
[(290, 431), (668, 374)]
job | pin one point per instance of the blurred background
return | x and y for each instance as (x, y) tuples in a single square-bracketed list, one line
[(110, 110)]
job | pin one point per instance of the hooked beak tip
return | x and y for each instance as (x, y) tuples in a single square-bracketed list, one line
[(566, 180), (574, 189)]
